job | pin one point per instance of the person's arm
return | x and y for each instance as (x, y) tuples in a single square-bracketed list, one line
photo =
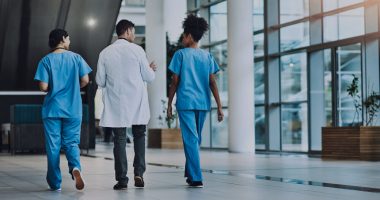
[(175, 67), (84, 81), (172, 91), (147, 70), (44, 87), (84, 70), (101, 73), (215, 92), (42, 76)]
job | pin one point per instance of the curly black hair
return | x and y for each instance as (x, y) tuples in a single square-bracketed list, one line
[(195, 26)]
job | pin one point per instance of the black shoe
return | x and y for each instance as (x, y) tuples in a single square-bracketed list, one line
[(139, 181), (196, 184), (188, 181), (119, 186)]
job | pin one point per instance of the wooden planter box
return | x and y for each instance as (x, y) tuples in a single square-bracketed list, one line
[(351, 143), (165, 138)]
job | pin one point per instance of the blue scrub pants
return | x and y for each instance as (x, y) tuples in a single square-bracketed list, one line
[(191, 122), (65, 133)]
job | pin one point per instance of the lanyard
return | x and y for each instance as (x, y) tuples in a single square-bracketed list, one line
[(123, 39), (57, 49)]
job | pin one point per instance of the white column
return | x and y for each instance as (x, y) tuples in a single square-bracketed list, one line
[(173, 20), (240, 77), (156, 51)]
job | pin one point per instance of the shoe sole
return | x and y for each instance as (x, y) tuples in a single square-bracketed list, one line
[(121, 189), (79, 183), (139, 182), (199, 186), (56, 190)]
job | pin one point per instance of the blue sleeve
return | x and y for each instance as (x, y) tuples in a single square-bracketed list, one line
[(83, 67), (42, 73), (176, 63), (214, 67)]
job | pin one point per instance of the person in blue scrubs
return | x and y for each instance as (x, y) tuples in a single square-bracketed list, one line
[(61, 74), (193, 78)]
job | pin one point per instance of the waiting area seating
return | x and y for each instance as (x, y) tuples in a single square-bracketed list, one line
[(27, 132)]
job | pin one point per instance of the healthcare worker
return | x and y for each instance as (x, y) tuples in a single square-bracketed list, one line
[(193, 77), (122, 73), (61, 74)]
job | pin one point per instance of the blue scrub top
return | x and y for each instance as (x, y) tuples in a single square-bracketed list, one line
[(62, 72), (193, 66)]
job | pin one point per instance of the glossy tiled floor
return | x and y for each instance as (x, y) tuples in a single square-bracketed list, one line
[(226, 176)]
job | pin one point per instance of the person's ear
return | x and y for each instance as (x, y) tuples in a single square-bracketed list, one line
[(64, 39)]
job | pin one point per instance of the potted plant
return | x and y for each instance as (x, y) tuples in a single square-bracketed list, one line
[(361, 140), (169, 137)]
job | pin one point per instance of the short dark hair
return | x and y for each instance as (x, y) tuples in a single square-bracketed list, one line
[(195, 26), (123, 25), (56, 37)]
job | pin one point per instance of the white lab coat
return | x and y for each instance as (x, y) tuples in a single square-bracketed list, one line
[(98, 104), (122, 72)]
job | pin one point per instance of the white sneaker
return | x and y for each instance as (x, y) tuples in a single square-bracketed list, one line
[(57, 190), (79, 182)]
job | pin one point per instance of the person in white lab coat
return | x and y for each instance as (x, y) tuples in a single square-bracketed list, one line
[(122, 73)]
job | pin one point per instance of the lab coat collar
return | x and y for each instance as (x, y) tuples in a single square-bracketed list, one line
[(121, 40)]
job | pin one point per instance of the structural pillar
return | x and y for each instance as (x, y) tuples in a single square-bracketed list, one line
[(241, 126), (156, 51), (316, 70), (272, 75)]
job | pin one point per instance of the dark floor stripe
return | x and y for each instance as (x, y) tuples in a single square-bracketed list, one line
[(320, 184), (282, 180)]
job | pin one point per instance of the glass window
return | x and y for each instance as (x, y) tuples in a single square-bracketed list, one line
[(258, 45), (294, 127), (294, 77), (260, 130), (328, 87), (218, 22), (259, 83), (219, 137), (220, 54), (293, 9), (348, 64), (258, 15), (294, 36), (140, 30), (335, 4), (196, 3), (344, 25)]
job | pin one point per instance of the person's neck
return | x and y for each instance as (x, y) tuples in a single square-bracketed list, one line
[(193, 45), (124, 38), (59, 49)]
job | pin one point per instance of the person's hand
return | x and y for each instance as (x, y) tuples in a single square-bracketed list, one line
[(220, 114), (153, 66), (169, 112)]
